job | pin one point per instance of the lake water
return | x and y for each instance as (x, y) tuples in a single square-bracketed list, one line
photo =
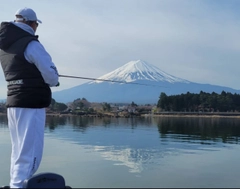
[(137, 152)]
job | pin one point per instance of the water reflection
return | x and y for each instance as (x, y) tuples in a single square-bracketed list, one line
[(188, 129), (142, 143), (203, 130), (84, 122), (139, 143), (3, 121)]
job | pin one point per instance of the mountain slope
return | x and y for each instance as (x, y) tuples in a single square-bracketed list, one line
[(140, 70), (144, 84)]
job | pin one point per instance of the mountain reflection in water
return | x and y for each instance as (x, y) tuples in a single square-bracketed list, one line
[(140, 142), (145, 152)]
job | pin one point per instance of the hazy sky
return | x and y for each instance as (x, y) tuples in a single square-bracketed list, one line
[(196, 40)]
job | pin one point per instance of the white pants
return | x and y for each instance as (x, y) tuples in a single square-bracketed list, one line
[(26, 127)]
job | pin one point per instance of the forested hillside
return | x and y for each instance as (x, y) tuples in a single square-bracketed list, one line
[(207, 102)]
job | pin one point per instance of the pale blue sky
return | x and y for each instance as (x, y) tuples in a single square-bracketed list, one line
[(197, 40)]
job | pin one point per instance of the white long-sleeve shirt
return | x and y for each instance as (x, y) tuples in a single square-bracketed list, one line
[(36, 54)]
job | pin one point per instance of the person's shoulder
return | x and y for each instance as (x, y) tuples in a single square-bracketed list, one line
[(5, 24), (24, 27), (35, 45)]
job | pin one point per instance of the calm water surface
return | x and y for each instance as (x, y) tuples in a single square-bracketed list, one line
[(137, 152)]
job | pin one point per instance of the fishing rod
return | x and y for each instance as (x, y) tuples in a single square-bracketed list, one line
[(107, 80)]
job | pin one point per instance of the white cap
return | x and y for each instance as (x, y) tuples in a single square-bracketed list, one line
[(27, 14)]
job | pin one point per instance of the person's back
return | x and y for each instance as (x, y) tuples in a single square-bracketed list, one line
[(29, 72)]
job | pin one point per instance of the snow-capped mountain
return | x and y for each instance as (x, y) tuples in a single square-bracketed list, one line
[(140, 70), (136, 81)]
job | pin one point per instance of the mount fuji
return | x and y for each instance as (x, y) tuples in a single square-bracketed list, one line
[(136, 81)]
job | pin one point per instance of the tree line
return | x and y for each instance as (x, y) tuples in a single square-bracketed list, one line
[(207, 102)]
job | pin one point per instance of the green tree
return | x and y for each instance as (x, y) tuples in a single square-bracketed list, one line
[(163, 101), (106, 107), (203, 101), (52, 104), (133, 104), (60, 107)]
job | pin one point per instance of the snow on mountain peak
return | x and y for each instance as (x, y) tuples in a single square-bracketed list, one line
[(139, 70)]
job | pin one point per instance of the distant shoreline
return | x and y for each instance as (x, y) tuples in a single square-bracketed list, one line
[(169, 114), (162, 114), (197, 114), (204, 116)]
